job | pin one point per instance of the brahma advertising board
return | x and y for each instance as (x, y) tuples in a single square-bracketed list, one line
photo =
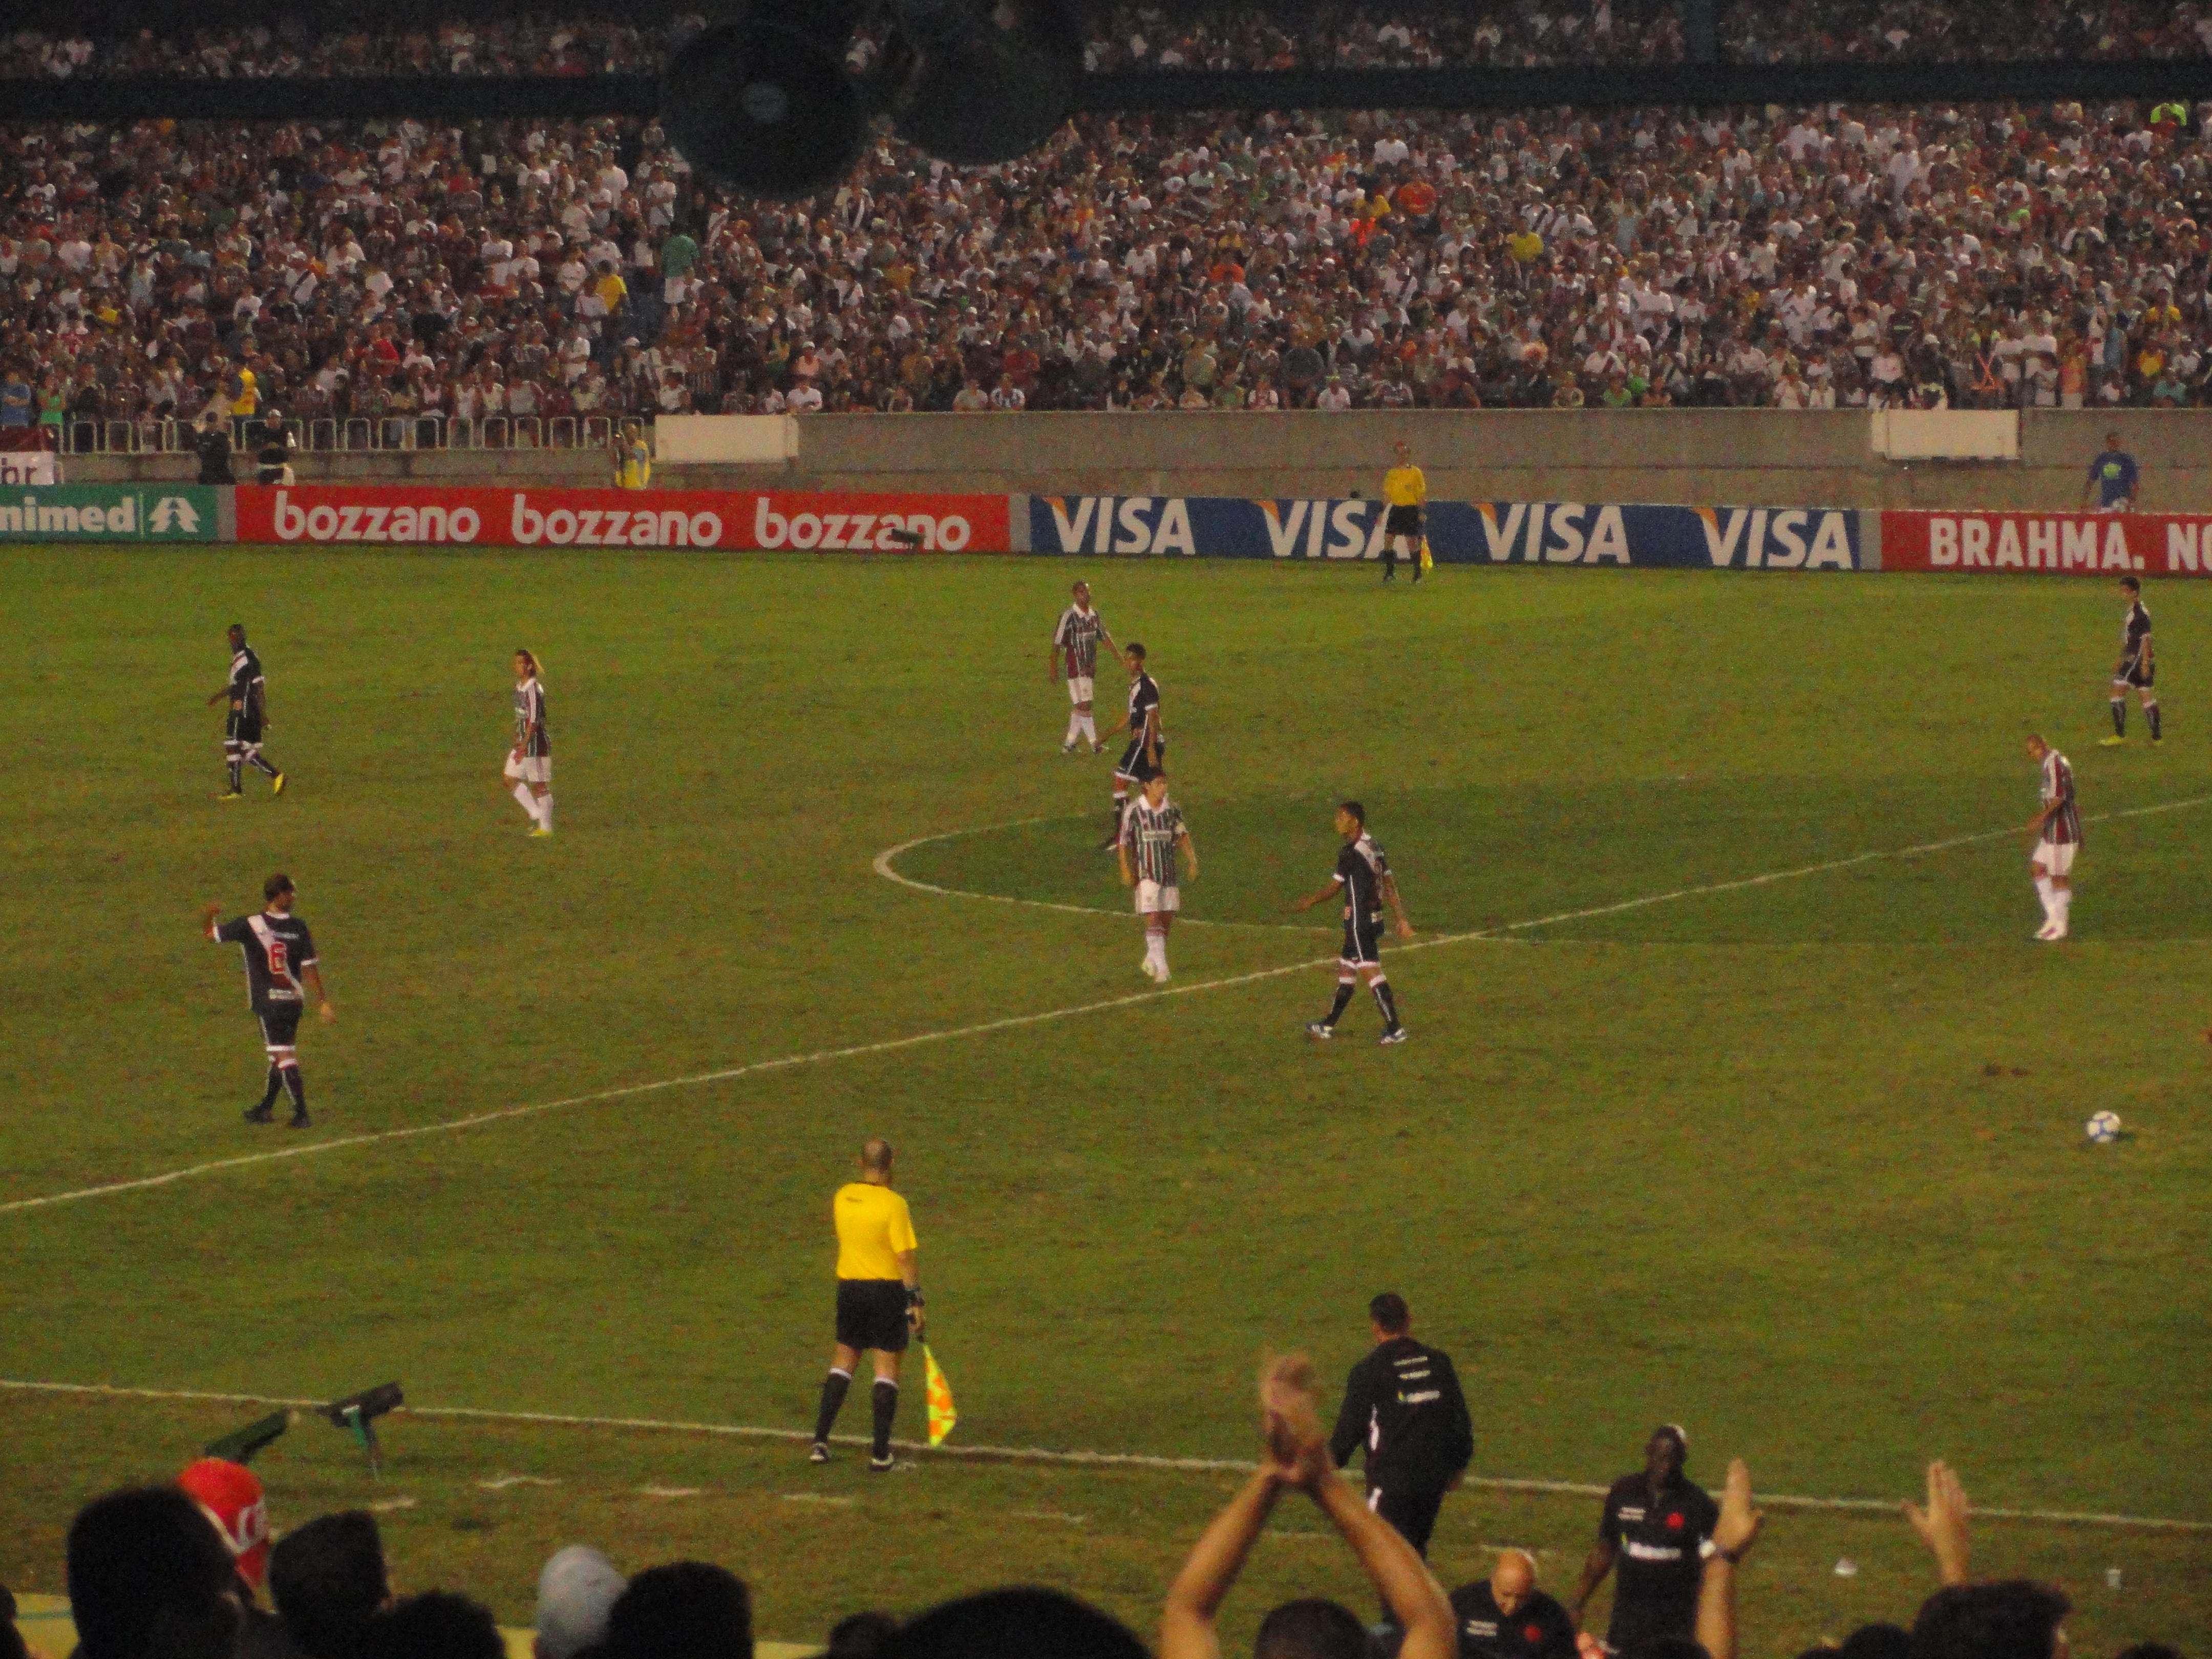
[(1460, 532), (2068, 544), (734, 520)]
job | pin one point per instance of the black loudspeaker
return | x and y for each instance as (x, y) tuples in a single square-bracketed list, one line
[(986, 80), (765, 104)]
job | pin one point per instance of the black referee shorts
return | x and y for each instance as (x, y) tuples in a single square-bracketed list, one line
[(1403, 521), (871, 1314)]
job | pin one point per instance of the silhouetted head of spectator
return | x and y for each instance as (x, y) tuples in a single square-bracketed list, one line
[(2149, 1650), (2015, 1618), (328, 1584), (11, 1639), (1014, 1624), (1879, 1642), (687, 1610), (861, 1636), (576, 1592), (148, 1579), (1310, 1629), (1667, 1647), (438, 1625)]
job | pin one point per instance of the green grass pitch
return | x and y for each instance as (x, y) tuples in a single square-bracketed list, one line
[(1799, 1164)]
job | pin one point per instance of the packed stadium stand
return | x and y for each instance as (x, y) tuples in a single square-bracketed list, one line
[(510, 283)]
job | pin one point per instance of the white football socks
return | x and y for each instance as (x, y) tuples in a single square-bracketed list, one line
[(1087, 725), (529, 801), (2046, 893), (1074, 730), (2062, 901), (1156, 950), (545, 811)]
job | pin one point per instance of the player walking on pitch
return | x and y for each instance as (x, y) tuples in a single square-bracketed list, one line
[(1075, 646), (1363, 875), (1152, 834), (529, 762), (879, 1298), (280, 969), (2136, 667), (1405, 489), (2057, 830), (1147, 742), (247, 693)]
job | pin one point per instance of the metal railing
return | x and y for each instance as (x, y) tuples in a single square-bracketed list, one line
[(353, 435)]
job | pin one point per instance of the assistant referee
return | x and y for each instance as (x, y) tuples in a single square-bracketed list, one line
[(879, 1298), (1406, 489)]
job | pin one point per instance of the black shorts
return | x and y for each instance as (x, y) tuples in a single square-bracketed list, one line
[(1362, 942), (279, 1027), (241, 729), (1403, 521), (1132, 763), (871, 1314), (2141, 676)]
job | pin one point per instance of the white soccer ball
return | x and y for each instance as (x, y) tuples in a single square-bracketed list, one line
[(2104, 1129)]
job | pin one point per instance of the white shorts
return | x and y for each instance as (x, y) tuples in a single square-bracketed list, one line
[(1153, 898), (531, 769), (2056, 857), (1078, 688)]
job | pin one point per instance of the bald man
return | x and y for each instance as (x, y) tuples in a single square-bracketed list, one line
[(1505, 1616), (879, 1298)]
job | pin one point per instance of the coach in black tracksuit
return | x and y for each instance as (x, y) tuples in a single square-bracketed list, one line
[(1402, 1402)]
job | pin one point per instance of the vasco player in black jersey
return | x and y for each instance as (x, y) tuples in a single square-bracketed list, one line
[(1144, 757), (247, 693), (280, 970), (1363, 877), (2137, 668)]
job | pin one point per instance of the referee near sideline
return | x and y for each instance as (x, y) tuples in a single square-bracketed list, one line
[(1403, 1403), (1405, 489), (879, 1298)]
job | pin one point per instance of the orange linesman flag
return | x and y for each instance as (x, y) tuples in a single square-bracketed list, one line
[(942, 1416)]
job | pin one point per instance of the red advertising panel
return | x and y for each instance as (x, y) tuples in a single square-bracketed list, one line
[(2071, 544), (739, 520)]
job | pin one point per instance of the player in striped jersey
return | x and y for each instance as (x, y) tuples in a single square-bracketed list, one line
[(1075, 646), (2057, 837), (1152, 834), (530, 763)]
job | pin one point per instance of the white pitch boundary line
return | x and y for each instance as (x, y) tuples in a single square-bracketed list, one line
[(1043, 1454), (1015, 1022)]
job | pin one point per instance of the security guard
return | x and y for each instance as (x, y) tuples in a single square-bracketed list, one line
[(879, 1298)]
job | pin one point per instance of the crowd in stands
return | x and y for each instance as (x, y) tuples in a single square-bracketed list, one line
[(514, 273), (179, 1571)]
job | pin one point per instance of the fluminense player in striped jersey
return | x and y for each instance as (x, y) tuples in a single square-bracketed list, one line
[(1075, 644), (530, 763), (1152, 834), (2057, 837)]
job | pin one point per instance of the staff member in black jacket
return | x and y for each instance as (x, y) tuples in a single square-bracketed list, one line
[(1659, 1527), (1402, 1402)]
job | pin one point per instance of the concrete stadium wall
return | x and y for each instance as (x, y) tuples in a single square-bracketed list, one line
[(1684, 457)]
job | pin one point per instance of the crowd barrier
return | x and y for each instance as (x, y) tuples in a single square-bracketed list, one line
[(1625, 534)]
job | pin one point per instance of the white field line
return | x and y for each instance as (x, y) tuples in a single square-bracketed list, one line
[(1043, 1454), (1015, 1022), (886, 868)]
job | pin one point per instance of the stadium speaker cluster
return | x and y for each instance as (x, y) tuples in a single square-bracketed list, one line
[(766, 99)]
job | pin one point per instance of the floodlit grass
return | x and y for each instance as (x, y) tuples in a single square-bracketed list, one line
[(1798, 1164)]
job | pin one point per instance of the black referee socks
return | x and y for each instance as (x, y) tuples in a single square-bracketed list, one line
[(886, 1405), (833, 1402)]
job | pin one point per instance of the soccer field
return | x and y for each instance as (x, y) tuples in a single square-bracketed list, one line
[(1796, 1162)]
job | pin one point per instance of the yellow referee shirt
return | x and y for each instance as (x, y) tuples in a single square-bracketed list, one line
[(1404, 486), (872, 1227)]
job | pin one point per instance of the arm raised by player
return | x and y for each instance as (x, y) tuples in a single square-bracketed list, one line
[(1405, 923)]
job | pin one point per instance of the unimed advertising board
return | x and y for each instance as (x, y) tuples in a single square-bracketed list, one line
[(2069, 543), (387, 514), (118, 512)]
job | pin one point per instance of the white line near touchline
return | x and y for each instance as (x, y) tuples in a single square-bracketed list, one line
[(1043, 1454), (1014, 1022)]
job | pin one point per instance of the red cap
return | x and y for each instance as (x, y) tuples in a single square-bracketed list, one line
[(230, 1494)]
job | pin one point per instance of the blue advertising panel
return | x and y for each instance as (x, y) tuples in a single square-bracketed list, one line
[(1460, 532)]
